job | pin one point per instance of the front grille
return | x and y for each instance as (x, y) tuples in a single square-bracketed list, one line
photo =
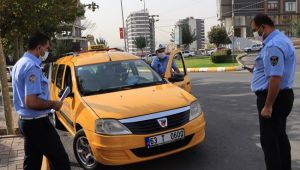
[(152, 125), (144, 152)]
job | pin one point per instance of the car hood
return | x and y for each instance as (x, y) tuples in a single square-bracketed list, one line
[(139, 101)]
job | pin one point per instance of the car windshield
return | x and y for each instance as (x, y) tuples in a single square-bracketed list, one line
[(115, 76)]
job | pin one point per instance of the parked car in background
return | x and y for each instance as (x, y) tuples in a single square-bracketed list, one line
[(8, 73), (187, 53), (254, 47), (210, 52), (148, 58)]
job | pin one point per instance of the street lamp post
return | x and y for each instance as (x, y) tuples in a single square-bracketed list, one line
[(124, 30), (145, 24)]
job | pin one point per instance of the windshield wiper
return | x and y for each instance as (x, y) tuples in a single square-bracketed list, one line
[(144, 84), (136, 85), (88, 93)]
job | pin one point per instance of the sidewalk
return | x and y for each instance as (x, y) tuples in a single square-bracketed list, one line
[(11, 152)]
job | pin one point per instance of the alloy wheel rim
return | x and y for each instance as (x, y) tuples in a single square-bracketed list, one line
[(84, 152)]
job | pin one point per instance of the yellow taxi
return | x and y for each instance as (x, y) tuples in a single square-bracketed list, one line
[(120, 111)]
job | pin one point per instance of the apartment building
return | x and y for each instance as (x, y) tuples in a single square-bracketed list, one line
[(238, 14)]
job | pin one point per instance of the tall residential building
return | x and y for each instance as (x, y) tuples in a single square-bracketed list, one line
[(283, 13), (138, 24), (197, 27)]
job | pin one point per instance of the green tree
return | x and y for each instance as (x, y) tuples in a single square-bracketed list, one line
[(19, 18), (102, 41), (188, 36), (218, 36), (140, 43), (296, 28), (59, 47)]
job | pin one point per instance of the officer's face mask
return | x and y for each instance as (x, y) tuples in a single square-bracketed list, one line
[(44, 54), (161, 55), (258, 36)]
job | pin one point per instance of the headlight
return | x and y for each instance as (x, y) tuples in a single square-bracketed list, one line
[(111, 127), (195, 110)]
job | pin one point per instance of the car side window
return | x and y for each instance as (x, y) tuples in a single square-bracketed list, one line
[(53, 73), (179, 62), (68, 78), (59, 76)]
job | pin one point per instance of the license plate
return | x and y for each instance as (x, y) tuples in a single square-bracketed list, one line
[(164, 138)]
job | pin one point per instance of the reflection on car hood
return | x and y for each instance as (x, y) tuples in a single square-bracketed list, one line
[(141, 101)]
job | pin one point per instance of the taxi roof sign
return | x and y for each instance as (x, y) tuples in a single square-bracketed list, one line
[(96, 47)]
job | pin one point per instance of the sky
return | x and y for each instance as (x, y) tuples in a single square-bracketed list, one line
[(106, 21)]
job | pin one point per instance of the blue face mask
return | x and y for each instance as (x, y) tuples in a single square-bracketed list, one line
[(161, 55)]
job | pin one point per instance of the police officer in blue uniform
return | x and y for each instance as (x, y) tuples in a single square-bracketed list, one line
[(31, 100), (272, 82), (160, 62)]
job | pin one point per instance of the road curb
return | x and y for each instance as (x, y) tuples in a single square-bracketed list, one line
[(214, 69)]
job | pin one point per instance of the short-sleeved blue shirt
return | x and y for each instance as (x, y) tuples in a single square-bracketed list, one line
[(277, 58), (27, 79), (160, 65)]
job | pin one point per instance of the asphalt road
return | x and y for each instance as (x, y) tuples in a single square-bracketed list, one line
[(232, 140)]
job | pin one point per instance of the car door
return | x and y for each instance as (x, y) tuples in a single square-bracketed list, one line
[(185, 83), (68, 108)]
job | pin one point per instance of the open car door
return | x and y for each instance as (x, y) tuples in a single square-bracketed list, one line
[(181, 79)]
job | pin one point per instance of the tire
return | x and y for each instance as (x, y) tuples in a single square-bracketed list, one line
[(82, 150)]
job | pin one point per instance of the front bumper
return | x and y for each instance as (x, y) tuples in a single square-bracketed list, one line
[(127, 149)]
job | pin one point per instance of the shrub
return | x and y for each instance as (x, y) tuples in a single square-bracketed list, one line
[(222, 56)]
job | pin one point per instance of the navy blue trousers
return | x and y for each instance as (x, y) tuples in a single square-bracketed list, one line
[(274, 140), (41, 138)]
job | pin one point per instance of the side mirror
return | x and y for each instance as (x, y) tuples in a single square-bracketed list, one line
[(60, 93), (176, 78), (71, 94)]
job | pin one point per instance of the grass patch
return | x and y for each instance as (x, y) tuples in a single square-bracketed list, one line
[(202, 61)]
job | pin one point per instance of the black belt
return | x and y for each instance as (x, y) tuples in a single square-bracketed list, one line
[(264, 92)]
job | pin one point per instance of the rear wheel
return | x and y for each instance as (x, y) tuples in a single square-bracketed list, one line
[(83, 152)]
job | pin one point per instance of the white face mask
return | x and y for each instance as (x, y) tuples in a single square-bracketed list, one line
[(257, 37), (161, 55), (45, 56)]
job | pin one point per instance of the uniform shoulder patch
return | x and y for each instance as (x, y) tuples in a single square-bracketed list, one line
[(274, 60), (32, 78)]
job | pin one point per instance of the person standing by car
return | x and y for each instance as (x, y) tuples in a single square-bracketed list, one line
[(160, 62), (31, 100), (272, 82)]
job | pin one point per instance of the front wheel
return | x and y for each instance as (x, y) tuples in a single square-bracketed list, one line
[(83, 152)]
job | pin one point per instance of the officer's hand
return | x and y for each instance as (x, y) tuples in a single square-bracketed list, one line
[(249, 69), (57, 105), (266, 112)]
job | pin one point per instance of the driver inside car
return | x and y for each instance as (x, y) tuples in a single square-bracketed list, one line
[(160, 62)]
